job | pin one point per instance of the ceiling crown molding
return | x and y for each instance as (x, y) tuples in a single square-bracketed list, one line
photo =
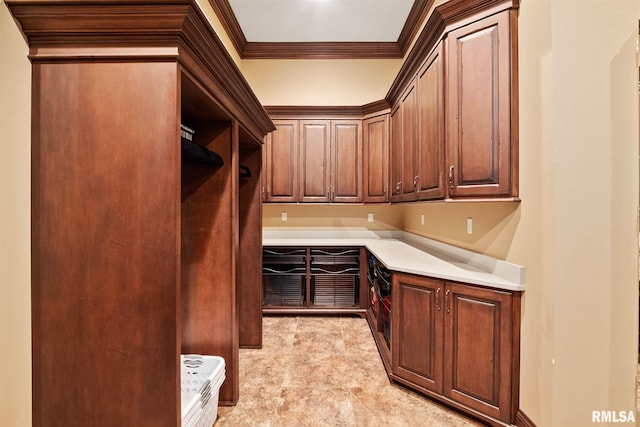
[(321, 50)]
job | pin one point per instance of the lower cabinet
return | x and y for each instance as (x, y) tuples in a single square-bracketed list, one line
[(313, 278), (458, 343)]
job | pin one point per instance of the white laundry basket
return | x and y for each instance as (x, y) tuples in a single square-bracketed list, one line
[(201, 378)]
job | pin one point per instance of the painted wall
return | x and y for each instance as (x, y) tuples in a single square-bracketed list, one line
[(320, 82), (385, 217), (15, 225)]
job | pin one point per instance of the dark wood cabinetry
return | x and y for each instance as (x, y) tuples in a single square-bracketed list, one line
[(280, 175), (430, 179), (481, 133), (457, 342), (314, 161), (404, 132), (417, 141), (125, 273), (331, 158), (454, 118), (375, 154)]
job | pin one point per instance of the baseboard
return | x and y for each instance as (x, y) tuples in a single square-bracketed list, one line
[(522, 420)]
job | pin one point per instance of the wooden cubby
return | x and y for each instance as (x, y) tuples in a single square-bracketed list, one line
[(135, 254)]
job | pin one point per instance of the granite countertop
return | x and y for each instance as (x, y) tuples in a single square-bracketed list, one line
[(409, 253)]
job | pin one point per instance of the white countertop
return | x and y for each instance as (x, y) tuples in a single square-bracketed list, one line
[(410, 253)]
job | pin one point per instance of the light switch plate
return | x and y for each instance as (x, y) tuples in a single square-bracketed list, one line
[(469, 225), (284, 216)]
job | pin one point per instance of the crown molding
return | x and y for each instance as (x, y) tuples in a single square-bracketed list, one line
[(321, 50)]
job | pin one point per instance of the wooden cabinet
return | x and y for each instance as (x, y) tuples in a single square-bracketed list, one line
[(417, 153), (404, 132), (417, 347), (314, 161), (457, 342), (281, 162), (481, 102), (430, 150), (126, 274), (375, 155), (331, 158), (346, 161)]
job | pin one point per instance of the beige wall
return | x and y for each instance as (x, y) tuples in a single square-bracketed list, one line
[(385, 217), (320, 82), (575, 229), (15, 170)]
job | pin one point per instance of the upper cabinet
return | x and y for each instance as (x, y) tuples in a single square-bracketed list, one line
[(430, 141), (314, 161), (280, 156), (481, 144), (454, 120), (403, 146), (375, 154)]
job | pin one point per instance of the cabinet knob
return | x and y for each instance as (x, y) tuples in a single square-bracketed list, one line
[(415, 182), (438, 307)]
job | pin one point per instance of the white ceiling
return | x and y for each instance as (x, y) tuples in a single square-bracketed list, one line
[(321, 20)]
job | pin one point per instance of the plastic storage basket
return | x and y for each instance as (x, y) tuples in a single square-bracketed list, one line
[(201, 378)]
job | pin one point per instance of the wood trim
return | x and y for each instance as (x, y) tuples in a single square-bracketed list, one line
[(321, 50), (417, 14), (522, 420), (314, 111), (159, 30)]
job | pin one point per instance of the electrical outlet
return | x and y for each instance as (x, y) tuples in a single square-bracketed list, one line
[(370, 217), (284, 216), (469, 225), (422, 219)]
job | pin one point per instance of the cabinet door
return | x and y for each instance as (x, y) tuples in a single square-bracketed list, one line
[(281, 162), (405, 144), (315, 175), (346, 161), (375, 153), (478, 349), (430, 141), (417, 337), (479, 154), (395, 161)]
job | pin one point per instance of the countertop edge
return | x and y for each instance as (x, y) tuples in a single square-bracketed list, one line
[(422, 256)]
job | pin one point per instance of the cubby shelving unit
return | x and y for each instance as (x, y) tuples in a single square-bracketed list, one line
[(135, 254)]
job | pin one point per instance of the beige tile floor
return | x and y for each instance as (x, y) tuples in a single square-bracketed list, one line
[(325, 371)]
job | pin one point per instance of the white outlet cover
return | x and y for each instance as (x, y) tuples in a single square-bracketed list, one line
[(284, 216), (469, 226), (370, 217)]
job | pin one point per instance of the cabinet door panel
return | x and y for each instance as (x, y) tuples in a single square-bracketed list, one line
[(409, 137), (346, 164), (478, 349), (417, 330), (281, 165), (403, 146), (396, 152), (479, 76), (376, 159), (430, 142), (315, 173)]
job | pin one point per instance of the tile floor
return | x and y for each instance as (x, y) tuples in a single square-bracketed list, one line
[(325, 371)]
